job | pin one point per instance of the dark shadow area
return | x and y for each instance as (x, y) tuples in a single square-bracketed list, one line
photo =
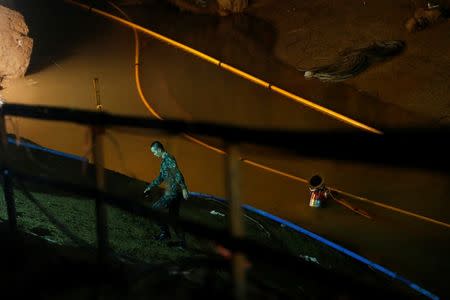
[(33, 268), (236, 39), (57, 29)]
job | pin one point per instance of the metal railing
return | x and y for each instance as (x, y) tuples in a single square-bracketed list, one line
[(389, 150)]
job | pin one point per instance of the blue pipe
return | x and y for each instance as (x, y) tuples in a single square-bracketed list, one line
[(330, 244), (36, 147)]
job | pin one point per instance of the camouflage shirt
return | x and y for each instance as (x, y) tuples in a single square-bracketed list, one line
[(170, 174)]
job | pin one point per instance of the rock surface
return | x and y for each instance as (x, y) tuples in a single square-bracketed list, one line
[(424, 18), (15, 46), (217, 7)]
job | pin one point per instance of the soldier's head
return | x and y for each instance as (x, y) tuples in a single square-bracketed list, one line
[(157, 148)]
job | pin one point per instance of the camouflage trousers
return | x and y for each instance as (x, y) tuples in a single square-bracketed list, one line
[(171, 200)]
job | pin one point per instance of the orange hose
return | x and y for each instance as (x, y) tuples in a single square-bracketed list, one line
[(247, 161), (232, 69)]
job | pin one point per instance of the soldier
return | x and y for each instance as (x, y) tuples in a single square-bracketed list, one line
[(176, 191)]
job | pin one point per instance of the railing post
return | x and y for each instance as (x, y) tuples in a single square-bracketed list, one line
[(100, 207), (9, 198), (6, 175), (236, 219)]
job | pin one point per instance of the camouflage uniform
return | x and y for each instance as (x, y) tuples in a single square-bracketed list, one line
[(172, 197)]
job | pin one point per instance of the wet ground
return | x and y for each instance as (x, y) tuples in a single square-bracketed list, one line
[(72, 47)]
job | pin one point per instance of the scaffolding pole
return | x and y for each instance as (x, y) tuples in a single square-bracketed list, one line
[(236, 218), (6, 175), (98, 160)]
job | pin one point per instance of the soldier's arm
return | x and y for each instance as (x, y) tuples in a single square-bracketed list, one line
[(180, 181), (158, 180)]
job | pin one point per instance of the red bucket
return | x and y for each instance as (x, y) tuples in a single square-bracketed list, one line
[(318, 191)]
